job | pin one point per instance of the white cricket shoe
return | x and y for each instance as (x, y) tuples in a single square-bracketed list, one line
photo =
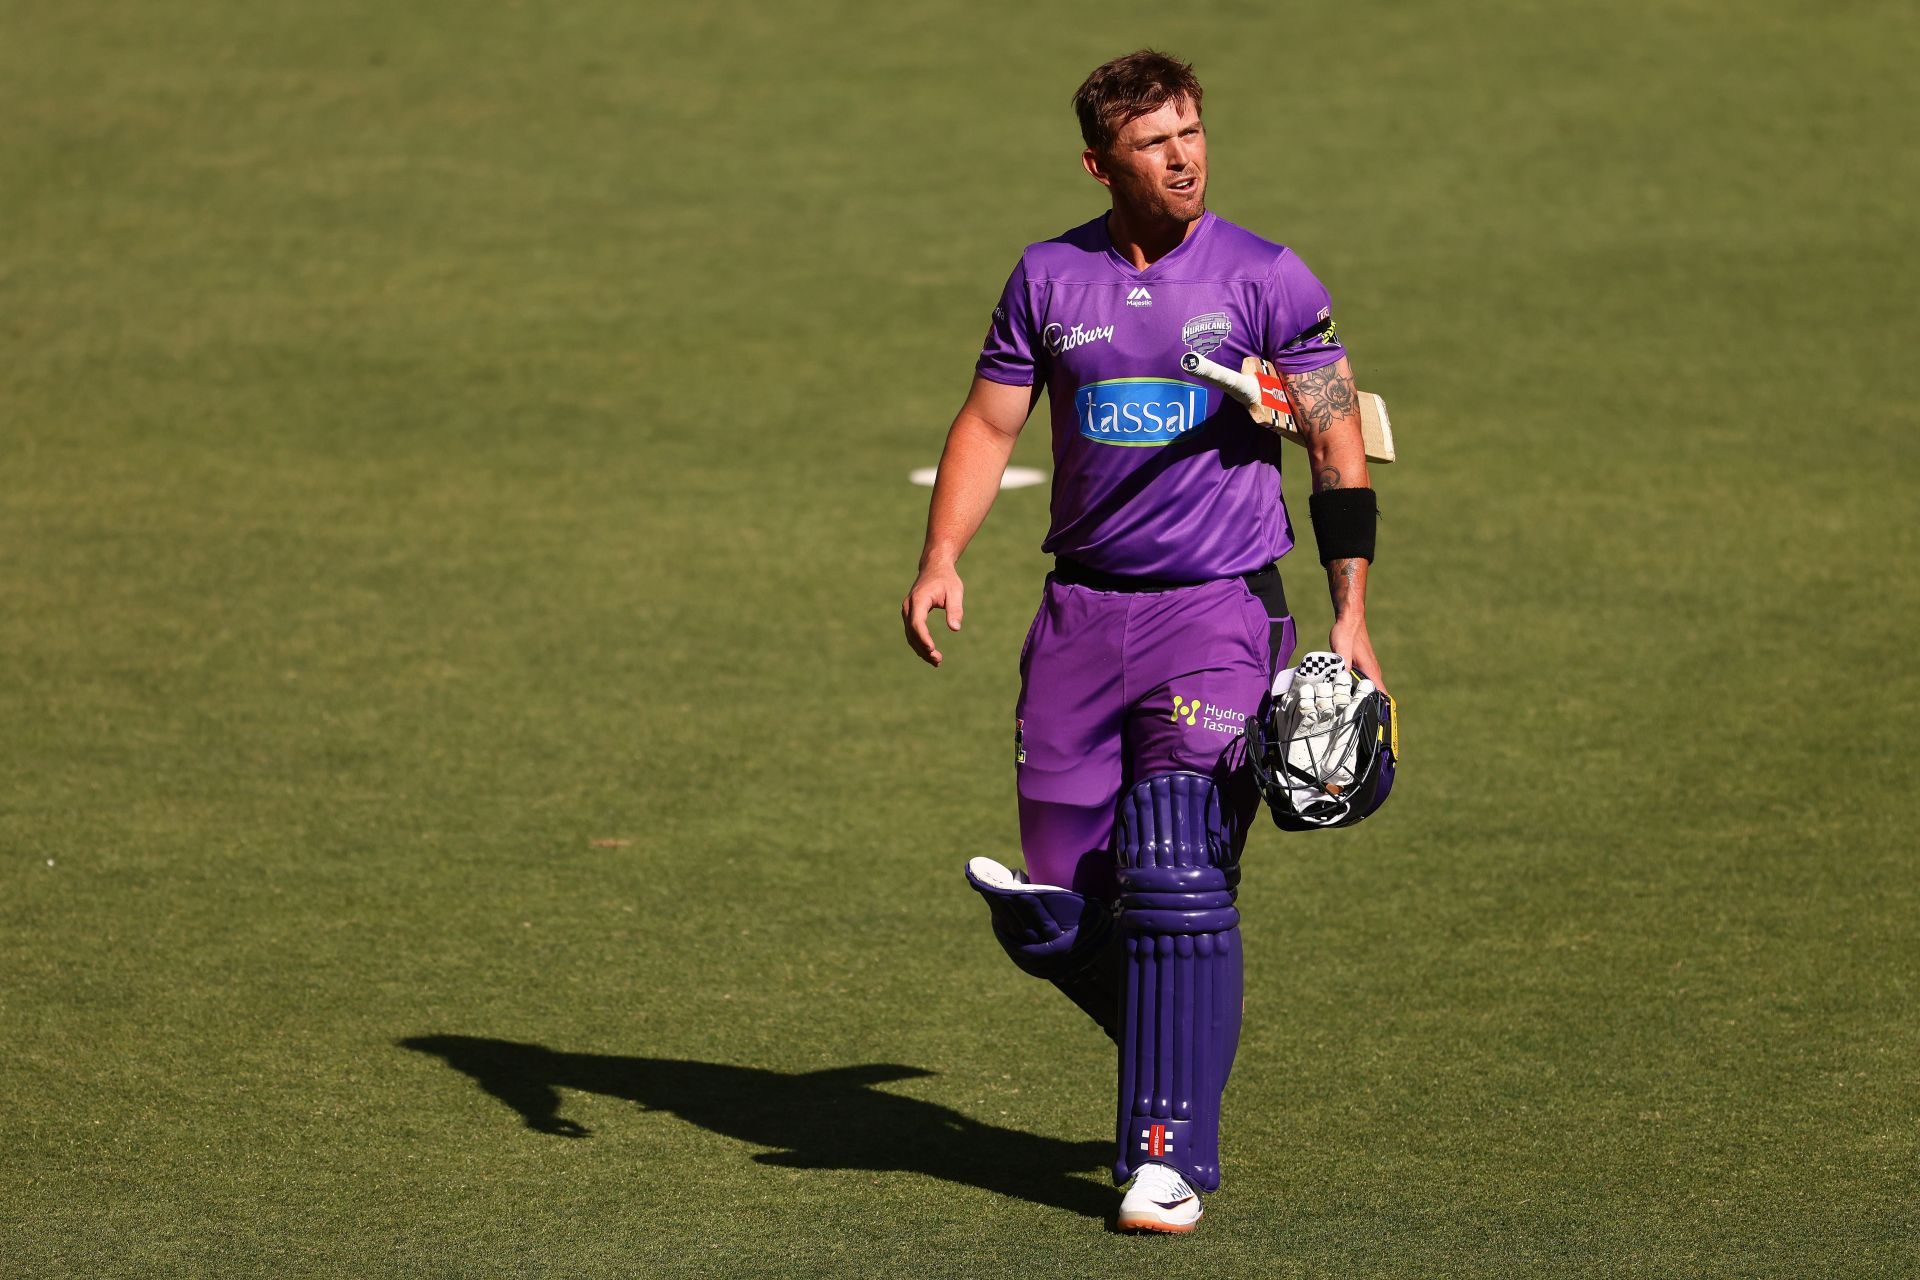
[(1160, 1199)]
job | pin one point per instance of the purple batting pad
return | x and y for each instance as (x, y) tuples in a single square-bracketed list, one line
[(1062, 936), (1180, 1013)]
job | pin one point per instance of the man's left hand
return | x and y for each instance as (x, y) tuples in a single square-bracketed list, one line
[(1350, 641)]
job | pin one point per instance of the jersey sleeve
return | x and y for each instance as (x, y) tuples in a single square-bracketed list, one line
[(1301, 334), (1012, 354)]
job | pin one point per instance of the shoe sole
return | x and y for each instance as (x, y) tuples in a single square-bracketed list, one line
[(1155, 1226)]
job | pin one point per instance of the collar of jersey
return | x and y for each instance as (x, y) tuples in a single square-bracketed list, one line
[(1152, 269)]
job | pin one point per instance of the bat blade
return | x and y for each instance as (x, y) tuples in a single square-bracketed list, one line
[(1258, 387)]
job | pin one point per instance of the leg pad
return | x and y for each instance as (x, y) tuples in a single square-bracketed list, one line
[(1057, 934), (1180, 1012)]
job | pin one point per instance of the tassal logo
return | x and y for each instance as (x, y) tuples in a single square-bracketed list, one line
[(1139, 411)]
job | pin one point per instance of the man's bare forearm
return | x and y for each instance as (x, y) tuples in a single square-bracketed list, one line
[(1347, 586), (970, 468), (1328, 411)]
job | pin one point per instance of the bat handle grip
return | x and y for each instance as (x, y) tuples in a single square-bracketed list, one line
[(1242, 388)]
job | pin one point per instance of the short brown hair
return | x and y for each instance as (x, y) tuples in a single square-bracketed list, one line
[(1127, 88)]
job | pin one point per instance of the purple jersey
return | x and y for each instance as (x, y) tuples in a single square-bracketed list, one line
[(1156, 474)]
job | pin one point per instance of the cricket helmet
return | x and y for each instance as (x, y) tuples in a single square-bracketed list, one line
[(1325, 745)]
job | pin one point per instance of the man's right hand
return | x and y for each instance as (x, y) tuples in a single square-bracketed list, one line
[(937, 587), (978, 446)]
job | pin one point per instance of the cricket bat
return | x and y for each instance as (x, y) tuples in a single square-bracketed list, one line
[(1258, 387)]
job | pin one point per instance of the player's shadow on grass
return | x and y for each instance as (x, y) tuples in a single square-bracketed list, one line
[(832, 1119)]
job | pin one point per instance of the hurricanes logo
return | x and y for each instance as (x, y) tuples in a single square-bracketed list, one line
[(1182, 708), (1205, 333)]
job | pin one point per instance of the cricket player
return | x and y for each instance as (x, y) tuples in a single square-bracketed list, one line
[(1163, 620)]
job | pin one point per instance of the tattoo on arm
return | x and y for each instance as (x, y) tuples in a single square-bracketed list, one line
[(1328, 478), (1320, 397), (1342, 575)]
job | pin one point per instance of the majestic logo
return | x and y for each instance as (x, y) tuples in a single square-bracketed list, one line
[(1140, 297), (1139, 411), (1205, 333), (1060, 339)]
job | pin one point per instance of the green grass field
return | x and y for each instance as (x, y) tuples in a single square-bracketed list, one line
[(467, 807)]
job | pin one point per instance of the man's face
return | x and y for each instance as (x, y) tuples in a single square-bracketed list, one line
[(1157, 165)]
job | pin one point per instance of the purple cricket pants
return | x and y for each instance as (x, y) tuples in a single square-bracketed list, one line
[(1117, 686)]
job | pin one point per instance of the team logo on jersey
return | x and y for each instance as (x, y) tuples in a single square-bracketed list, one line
[(1059, 339), (1139, 411), (1140, 297), (1204, 334)]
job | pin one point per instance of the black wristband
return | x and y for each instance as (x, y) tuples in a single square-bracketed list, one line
[(1343, 523)]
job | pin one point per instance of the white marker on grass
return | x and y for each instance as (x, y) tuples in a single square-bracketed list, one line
[(1011, 478)]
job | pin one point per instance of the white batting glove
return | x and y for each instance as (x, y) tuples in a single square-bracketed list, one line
[(1317, 699)]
